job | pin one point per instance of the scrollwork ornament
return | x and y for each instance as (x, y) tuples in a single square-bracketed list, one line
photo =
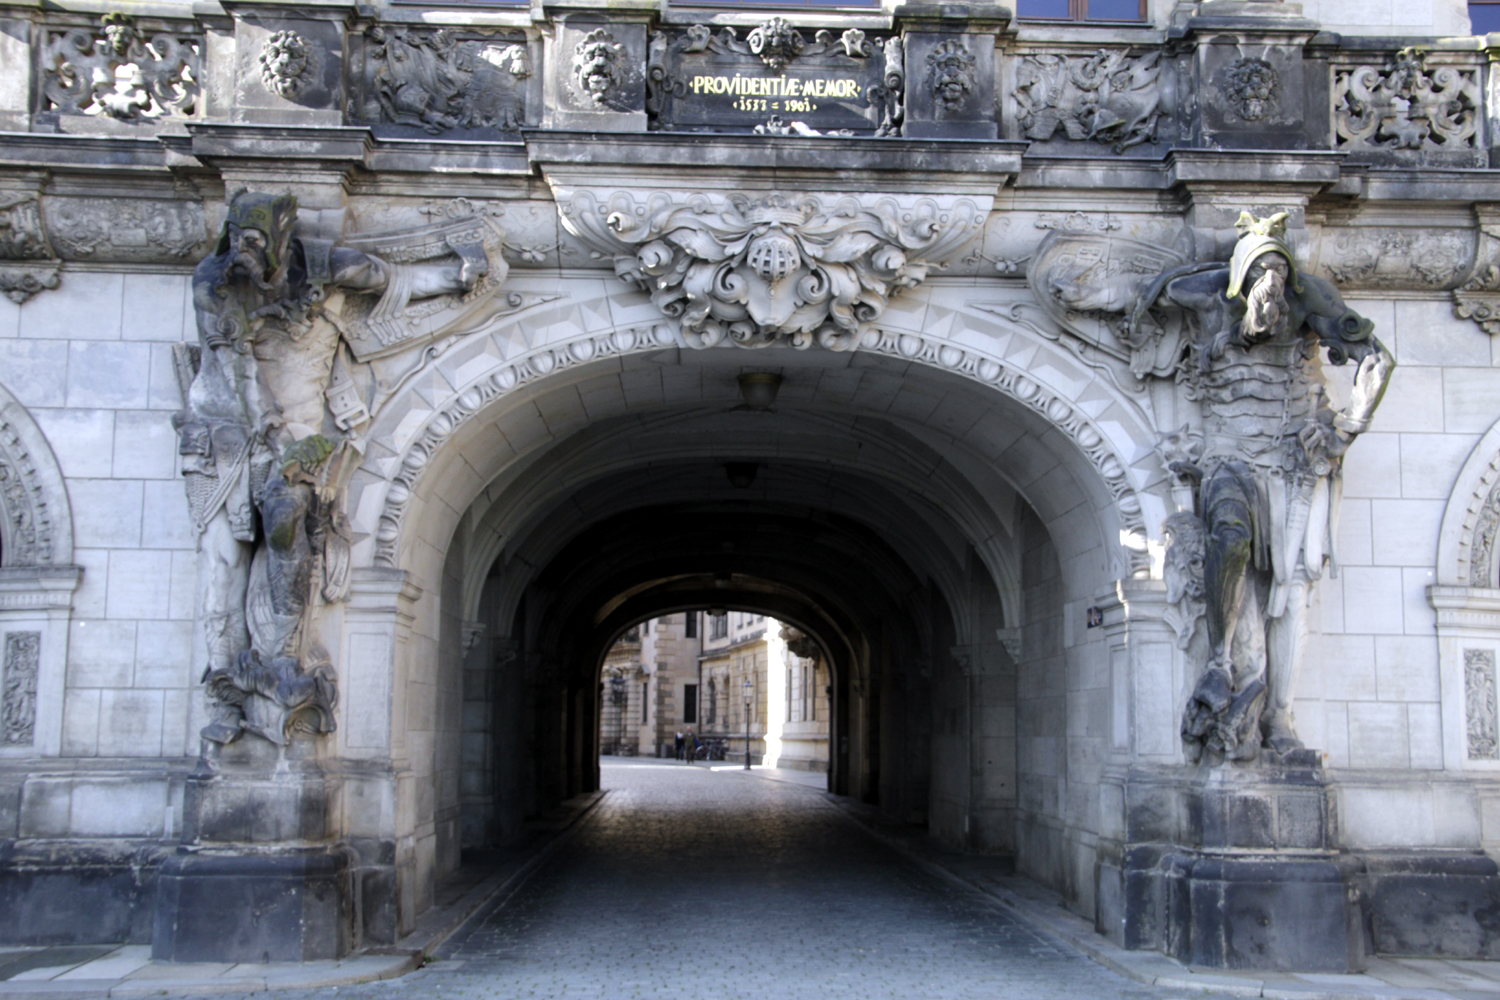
[(1406, 105), (117, 72), (19, 282), (290, 64), (890, 96)]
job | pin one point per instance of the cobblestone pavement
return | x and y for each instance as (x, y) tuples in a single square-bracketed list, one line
[(689, 883)]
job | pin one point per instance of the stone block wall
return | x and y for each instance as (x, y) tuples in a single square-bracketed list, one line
[(94, 370)]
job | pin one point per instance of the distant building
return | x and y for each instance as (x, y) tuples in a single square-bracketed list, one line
[(689, 671)]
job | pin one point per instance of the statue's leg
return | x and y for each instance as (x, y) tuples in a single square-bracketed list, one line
[(284, 580), (1229, 501), (1287, 639), (223, 574)]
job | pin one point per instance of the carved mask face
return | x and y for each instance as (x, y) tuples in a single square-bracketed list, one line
[(286, 61), (119, 36), (598, 70), (952, 82), (1183, 564)]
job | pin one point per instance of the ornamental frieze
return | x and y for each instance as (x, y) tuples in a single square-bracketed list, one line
[(757, 270)]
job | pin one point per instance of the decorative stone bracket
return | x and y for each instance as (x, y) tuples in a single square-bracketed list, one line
[(799, 268)]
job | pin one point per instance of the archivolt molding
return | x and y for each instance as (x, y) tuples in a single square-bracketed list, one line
[(1471, 522), (1018, 383), (36, 523)]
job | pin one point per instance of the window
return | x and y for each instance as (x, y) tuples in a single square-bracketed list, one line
[(718, 626), (690, 703), (1484, 16), (1083, 10), (712, 712), (691, 625), (757, 4), (645, 698)]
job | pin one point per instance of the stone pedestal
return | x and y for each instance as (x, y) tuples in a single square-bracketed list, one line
[(258, 876), (1249, 876), (1241, 868), (230, 906)]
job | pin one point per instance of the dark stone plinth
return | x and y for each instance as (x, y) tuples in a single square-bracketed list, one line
[(292, 906), (71, 893), (1432, 904), (1273, 914)]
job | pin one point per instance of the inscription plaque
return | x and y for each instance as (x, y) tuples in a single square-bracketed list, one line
[(701, 81)]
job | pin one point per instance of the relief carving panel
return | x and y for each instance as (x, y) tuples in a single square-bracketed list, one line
[(1109, 97), (441, 79), (1405, 106), (18, 694), (1479, 704)]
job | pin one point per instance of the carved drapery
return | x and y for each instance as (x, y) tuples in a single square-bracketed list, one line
[(753, 271)]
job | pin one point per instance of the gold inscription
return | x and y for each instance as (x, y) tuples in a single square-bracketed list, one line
[(779, 87)]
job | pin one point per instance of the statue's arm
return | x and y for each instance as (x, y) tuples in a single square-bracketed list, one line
[(362, 272), (1370, 381), (217, 335)]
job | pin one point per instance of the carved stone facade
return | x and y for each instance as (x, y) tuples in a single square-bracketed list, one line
[(985, 355)]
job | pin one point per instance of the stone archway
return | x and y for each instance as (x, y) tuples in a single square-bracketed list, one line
[(37, 580), (1466, 597), (454, 490)]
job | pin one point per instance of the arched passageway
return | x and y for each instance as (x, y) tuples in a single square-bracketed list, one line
[(940, 540)]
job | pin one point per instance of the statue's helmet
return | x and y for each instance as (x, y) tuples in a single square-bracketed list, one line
[(275, 215), (1259, 237)]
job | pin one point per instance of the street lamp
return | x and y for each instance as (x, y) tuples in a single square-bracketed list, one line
[(748, 688)]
